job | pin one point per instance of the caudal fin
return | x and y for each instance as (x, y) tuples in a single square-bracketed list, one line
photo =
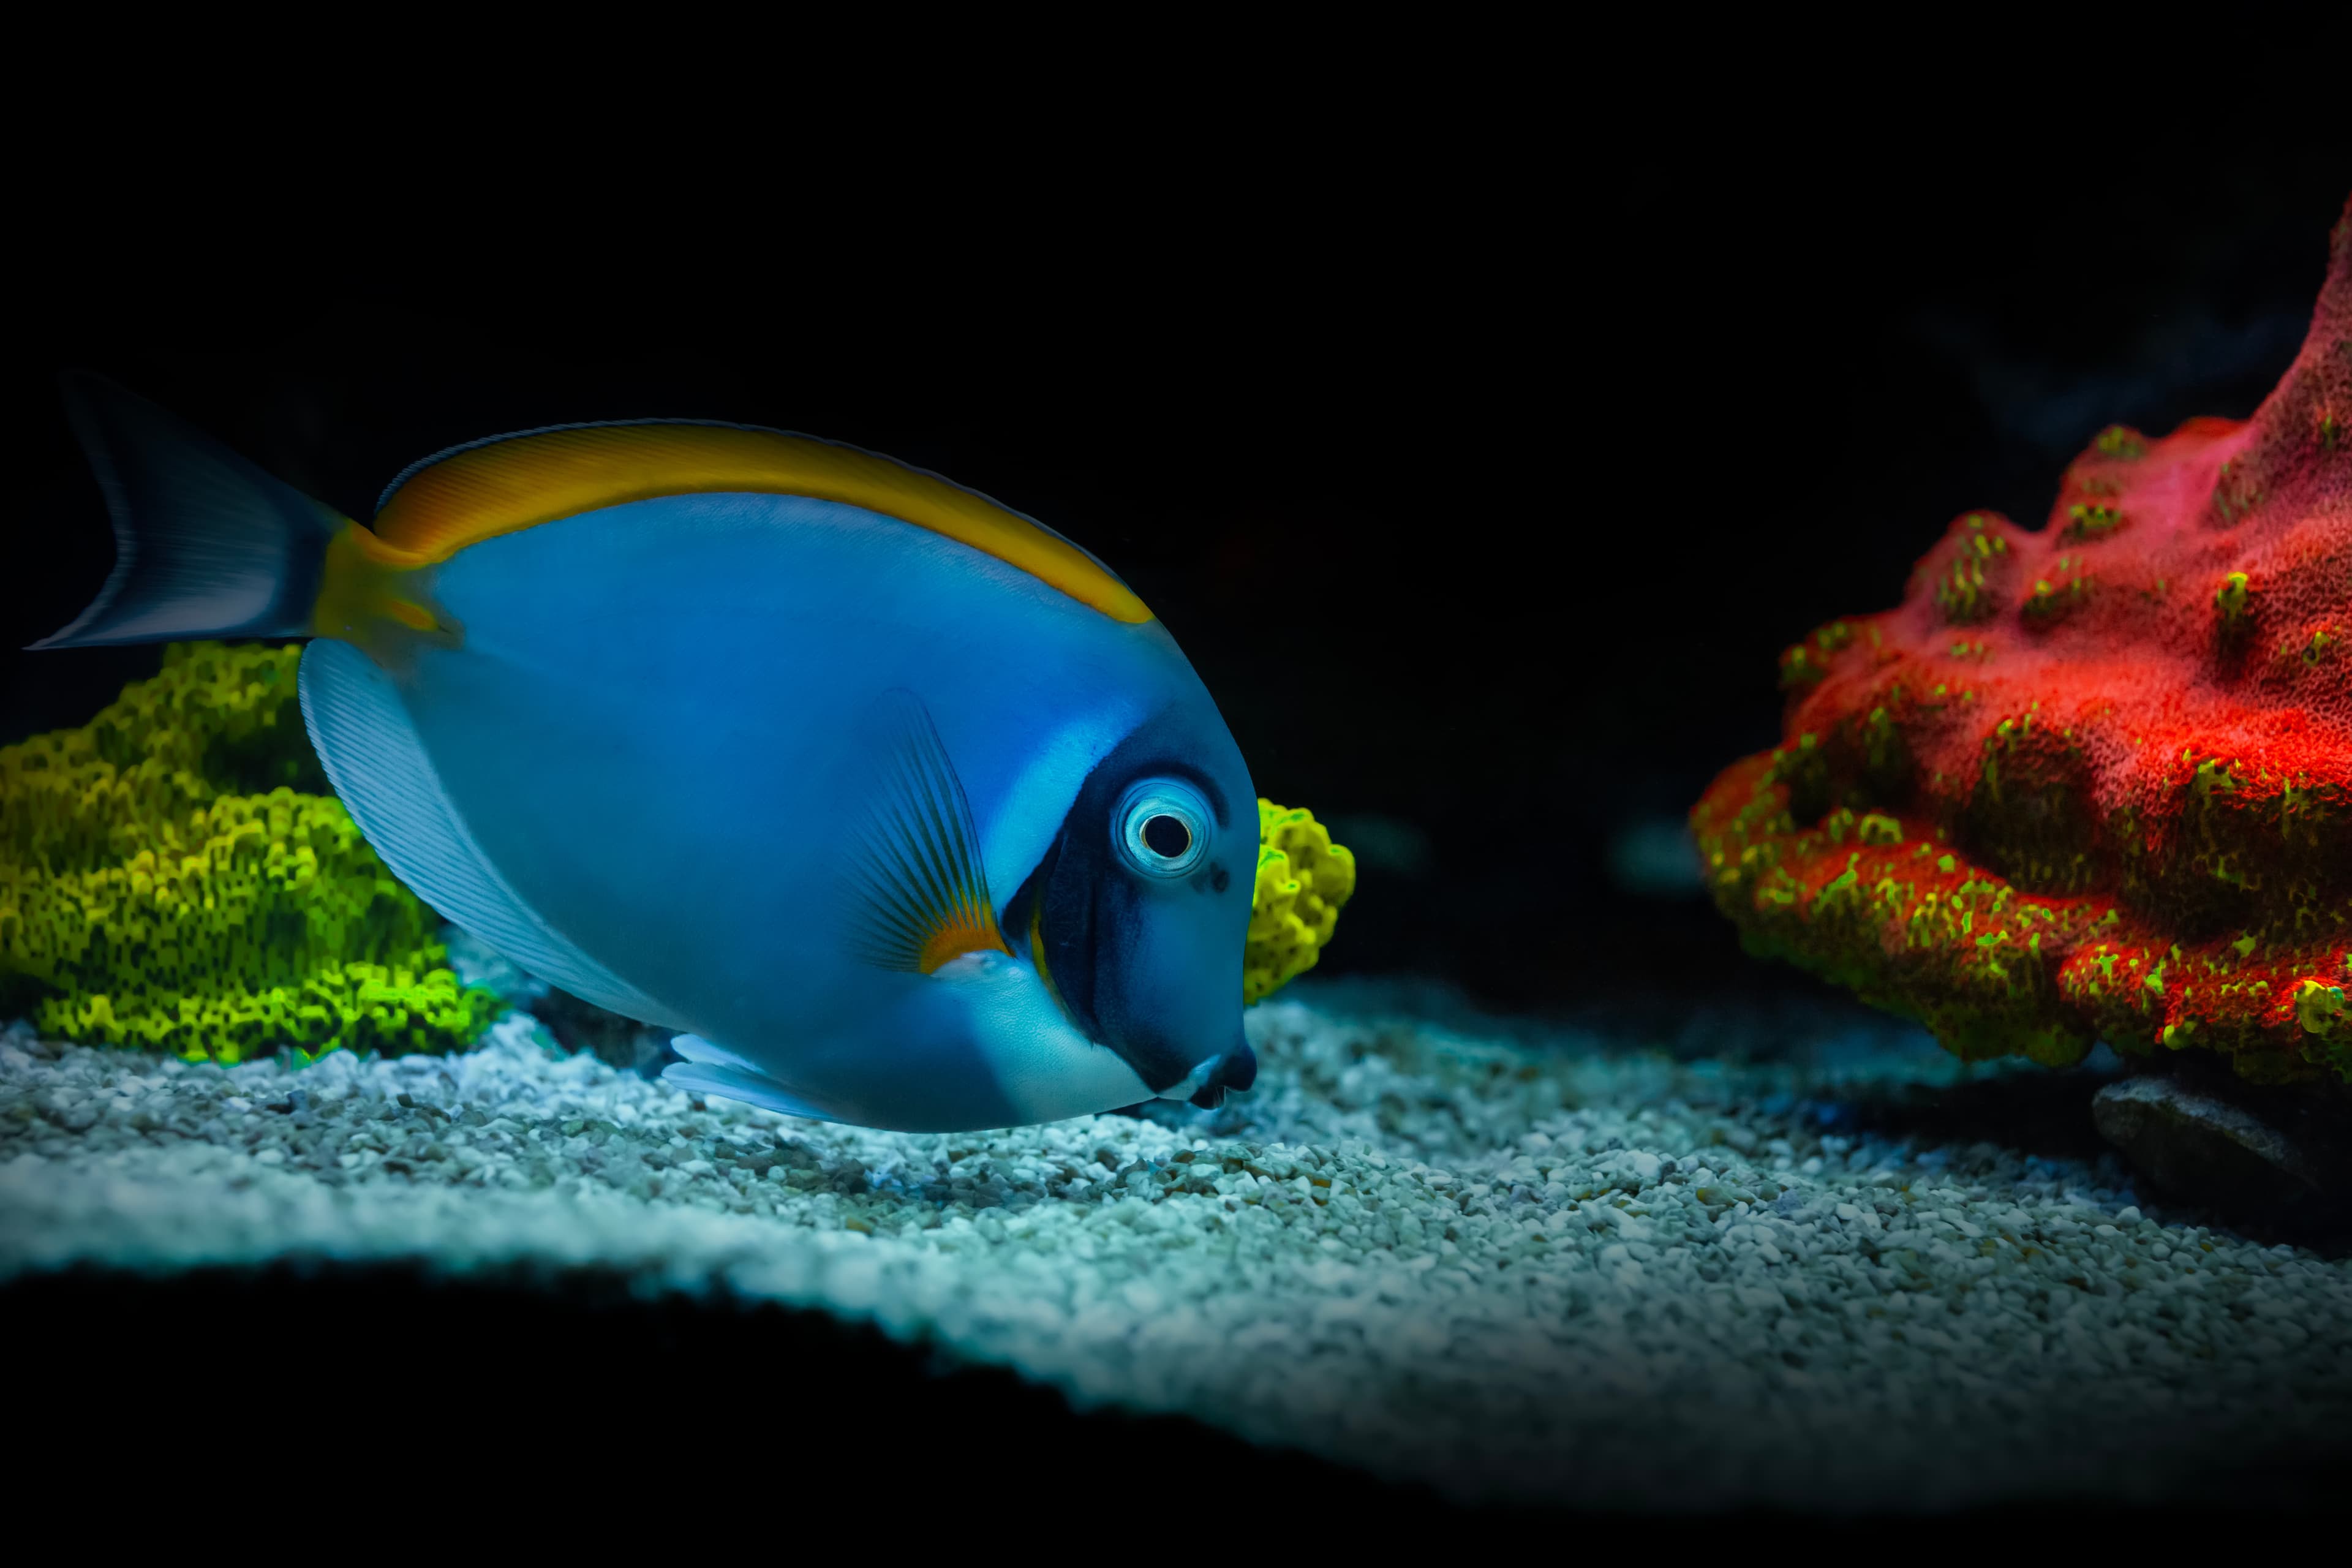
[(206, 544)]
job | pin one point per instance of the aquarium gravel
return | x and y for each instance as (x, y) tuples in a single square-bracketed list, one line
[(1544, 1269)]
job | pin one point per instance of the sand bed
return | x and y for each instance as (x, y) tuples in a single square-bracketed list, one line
[(1539, 1270)]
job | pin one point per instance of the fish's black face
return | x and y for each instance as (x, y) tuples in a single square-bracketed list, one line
[(1138, 913)]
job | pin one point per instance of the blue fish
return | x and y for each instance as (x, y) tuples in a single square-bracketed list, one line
[(900, 806)]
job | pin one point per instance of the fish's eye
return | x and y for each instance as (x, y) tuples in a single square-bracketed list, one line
[(1162, 827)]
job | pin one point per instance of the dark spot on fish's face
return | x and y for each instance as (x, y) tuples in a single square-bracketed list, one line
[(1215, 880)]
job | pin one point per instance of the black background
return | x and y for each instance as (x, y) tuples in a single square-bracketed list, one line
[(1482, 496), (1483, 458)]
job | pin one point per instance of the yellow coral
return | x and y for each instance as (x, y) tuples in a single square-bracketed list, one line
[(174, 875), (168, 880), (1302, 878)]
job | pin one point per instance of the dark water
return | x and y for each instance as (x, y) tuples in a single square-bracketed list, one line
[(1484, 532), (582, 1393), (1485, 523)]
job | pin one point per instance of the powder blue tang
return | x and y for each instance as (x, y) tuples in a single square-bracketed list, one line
[(897, 827)]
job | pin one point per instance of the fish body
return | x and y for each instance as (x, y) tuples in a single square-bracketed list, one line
[(905, 813)]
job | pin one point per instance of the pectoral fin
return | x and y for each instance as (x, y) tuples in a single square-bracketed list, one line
[(913, 883)]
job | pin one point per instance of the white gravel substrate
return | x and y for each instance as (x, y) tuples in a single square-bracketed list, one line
[(1563, 1274)]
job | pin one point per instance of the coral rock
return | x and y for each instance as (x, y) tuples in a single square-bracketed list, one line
[(1302, 878), (2092, 782), (169, 879), (2234, 1146)]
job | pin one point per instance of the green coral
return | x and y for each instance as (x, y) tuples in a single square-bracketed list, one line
[(1302, 878), (2232, 596), (2090, 520), (1964, 592), (2236, 490), (2121, 441), (174, 875), (1808, 660), (2047, 601)]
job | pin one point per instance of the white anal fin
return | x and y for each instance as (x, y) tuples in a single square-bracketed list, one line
[(379, 768), (714, 1069)]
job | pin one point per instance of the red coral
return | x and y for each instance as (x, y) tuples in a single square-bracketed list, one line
[(2094, 781)]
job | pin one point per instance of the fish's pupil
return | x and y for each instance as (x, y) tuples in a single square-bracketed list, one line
[(1166, 837)]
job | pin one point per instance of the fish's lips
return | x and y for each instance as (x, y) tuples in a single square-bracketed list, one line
[(1235, 1071), (1212, 1077)]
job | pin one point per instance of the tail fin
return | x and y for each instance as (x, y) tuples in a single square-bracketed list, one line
[(205, 544)]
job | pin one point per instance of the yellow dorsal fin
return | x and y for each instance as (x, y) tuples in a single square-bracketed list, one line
[(516, 482)]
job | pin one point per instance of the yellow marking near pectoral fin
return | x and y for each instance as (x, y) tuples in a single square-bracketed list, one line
[(378, 598), (518, 482), (961, 936), (1037, 954), (918, 917)]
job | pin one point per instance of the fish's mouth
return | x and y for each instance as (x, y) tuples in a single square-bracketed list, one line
[(1207, 1084)]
